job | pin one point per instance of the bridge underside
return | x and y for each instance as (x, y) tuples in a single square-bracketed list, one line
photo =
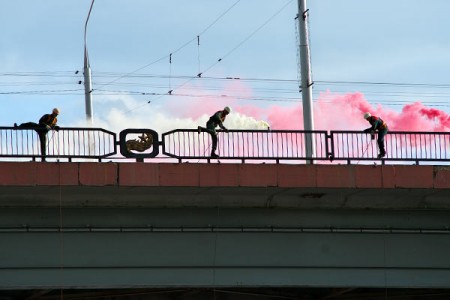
[(230, 242), (260, 293), (110, 237)]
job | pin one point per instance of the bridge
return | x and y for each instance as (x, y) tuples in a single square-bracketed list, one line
[(93, 221)]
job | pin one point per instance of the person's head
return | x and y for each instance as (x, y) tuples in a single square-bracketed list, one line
[(367, 115), (226, 110), (55, 111)]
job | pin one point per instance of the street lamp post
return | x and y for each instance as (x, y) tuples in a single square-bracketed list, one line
[(87, 74)]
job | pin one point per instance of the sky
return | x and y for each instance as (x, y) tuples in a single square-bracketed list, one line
[(388, 57)]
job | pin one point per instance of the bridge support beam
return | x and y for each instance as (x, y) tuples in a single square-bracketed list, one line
[(136, 248)]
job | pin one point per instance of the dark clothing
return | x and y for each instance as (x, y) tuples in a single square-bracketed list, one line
[(48, 120), (46, 123), (215, 120), (377, 124)]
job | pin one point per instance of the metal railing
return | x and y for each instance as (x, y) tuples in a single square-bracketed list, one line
[(400, 146), (276, 145), (289, 145), (244, 144), (67, 142)]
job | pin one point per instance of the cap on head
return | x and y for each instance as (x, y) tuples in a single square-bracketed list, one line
[(55, 111), (367, 115), (227, 109)]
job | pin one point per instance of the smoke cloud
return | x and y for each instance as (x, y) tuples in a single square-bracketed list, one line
[(332, 111)]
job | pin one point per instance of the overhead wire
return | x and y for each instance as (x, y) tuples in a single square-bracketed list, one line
[(247, 38), (387, 93), (59, 74), (176, 50), (199, 75)]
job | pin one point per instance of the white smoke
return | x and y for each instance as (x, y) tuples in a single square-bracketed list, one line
[(118, 113)]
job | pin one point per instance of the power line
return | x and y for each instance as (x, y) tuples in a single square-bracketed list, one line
[(248, 37), (176, 50), (71, 74), (199, 75), (384, 83), (265, 89)]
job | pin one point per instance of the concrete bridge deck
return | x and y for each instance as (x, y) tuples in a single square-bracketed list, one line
[(211, 185)]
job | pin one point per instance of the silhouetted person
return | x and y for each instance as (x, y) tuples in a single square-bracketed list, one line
[(377, 124), (46, 123), (215, 120)]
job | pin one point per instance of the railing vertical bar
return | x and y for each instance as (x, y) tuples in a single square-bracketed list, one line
[(187, 134), (348, 148), (78, 145), (445, 144), (272, 143), (11, 141), (233, 143), (421, 147), (69, 146), (99, 146), (411, 146), (340, 140), (247, 146), (241, 148), (189, 143), (183, 143), (435, 146)]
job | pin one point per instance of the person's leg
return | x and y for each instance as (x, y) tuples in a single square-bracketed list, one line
[(211, 129), (380, 141), (43, 139), (27, 125), (214, 144)]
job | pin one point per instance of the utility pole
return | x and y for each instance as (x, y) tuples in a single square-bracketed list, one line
[(306, 81), (87, 74)]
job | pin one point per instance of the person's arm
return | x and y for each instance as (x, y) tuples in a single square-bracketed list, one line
[(49, 122), (43, 119), (373, 127), (219, 121), (55, 126), (375, 124)]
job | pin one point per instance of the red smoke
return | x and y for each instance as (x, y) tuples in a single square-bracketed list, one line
[(332, 111), (345, 112)]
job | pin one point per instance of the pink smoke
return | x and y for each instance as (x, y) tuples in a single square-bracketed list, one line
[(332, 111), (345, 112)]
